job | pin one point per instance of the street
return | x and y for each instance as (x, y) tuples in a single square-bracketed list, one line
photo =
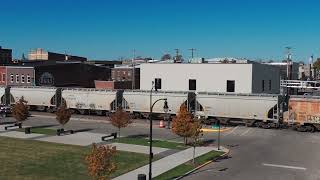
[(255, 153)]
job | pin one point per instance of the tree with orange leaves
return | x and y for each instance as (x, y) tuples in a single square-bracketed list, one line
[(101, 162), (183, 124), (120, 119), (20, 110)]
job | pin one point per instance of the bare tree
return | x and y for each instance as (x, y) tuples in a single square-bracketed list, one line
[(166, 57)]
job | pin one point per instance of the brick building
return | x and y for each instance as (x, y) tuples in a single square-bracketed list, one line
[(70, 75), (16, 76), (112, 85), (5, 56), (126, 74)]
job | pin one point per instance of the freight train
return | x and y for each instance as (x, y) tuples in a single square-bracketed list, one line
[(262, 110)]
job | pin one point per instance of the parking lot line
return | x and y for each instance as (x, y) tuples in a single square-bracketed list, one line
[(231, 131), (246, 132), (284, 166)]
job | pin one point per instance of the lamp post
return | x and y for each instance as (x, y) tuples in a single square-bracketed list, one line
[(218, 122), (165, 109)]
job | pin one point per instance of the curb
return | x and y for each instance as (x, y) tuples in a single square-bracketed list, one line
[(215, 130), (202, 165), (73, 119)]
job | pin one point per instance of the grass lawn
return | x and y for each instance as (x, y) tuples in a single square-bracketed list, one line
[(186, 167), (40, 131), (33, 160), (145, 142)]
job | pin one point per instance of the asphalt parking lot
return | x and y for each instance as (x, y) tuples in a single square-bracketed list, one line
[(266, 154)]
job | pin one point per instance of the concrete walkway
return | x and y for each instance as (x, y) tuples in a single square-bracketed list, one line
[(80, 138), (17, 134), (165, 164), (138, 148)]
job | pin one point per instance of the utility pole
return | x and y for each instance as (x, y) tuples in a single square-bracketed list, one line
[(289, 62), (192, 52), (177, 54), (133, 69), (310, 67)]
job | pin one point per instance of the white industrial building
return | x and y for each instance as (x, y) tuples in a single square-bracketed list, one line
[(237, 78)]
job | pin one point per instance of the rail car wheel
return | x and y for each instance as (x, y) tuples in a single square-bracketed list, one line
[(100, 113), (50, 110), (258, 124), (82, 111), (266, 126), (302, 128), (249, 123), (311, 128), (42, 108)]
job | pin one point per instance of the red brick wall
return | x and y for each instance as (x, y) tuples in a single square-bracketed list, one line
[(2, 73), (104, 84)]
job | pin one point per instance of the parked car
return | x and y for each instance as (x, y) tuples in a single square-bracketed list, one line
[(5, 110)]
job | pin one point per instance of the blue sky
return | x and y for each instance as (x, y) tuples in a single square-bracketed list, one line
[(109, 29)]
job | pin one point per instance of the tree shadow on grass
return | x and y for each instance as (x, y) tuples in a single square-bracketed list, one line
[(138, 136), (43, 126)]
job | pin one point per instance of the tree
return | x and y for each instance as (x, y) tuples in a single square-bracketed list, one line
[(316, 66), (166, 57), (20, 110), (120, 119), (101, 162), (183, 124), (178, 58), (63, 115), (196, 133)]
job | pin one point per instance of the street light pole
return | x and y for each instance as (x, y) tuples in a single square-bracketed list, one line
[(219, 135), (150, 135)]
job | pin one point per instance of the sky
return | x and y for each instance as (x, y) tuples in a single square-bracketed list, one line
[(111, 29)]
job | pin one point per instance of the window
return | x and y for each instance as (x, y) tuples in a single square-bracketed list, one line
[(262, 85), (3, 77), (22, 78), (28, 79), (192, 84), (269, 85), (17, 78), (230, 85), (157, 83), (11, 78)]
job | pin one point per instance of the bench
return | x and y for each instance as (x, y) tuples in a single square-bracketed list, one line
[(114, 135), (14, 125)]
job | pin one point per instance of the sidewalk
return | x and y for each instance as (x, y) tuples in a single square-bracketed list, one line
[(165, 164), (138, 148), (80, 138)]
